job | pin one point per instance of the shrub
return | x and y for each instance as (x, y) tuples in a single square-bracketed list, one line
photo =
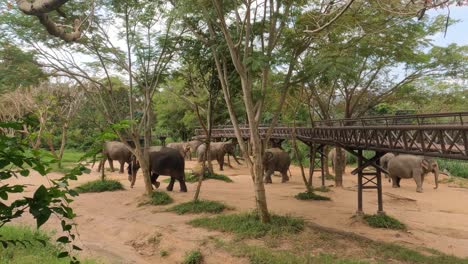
[(455, 167), (311, 196), (160, 198), (193, 257), (199, 206), (249, 224), (100, 186), (189, 177), (383, 221)]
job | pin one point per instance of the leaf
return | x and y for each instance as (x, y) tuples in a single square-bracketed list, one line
[(63, 239), (76, 248), (63, 254), (42, 241), (24, 173), (41, 193), (43, 216), (4, 244), (4, 195)]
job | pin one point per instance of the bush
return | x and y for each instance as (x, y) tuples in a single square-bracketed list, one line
[(197, 207), (383, 221), (100, 186), (193, 257), (35, 247), (454, 167), (249, 225), (160, 198), (311, 196)]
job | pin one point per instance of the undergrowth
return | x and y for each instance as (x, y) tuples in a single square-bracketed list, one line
[(383, 221), (199, 206), (311, 196), (100, 186)]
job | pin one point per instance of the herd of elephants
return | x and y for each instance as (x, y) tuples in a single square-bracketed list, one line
[(170, 161)]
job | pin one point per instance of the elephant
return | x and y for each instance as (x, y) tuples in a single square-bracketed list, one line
[(182, 147), (217, 152), (166, 161), (194, 144), (332, 157), (115, 150), (411, 166), (384, 161), (276, 159)]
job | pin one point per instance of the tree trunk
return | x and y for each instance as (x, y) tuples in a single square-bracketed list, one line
[(260, 195), (339, 167), (63, 143), (325, 161)]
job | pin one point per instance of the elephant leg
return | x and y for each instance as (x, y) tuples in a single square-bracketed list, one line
[(398, 179), (171, 184), (395, 181), (122, 165), (183, 187), (268, 176), (418, 178), (221, 163), (285, 177), (101, 165), (111, 164), (154, 178)]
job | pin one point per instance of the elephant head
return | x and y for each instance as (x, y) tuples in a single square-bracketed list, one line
[(133, 168), (230, 147), (430, 165), (267, 157)]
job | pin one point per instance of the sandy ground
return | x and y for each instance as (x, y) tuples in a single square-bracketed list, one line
[(113, 228)]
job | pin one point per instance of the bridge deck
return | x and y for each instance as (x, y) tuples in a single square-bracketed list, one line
[(443, 135)]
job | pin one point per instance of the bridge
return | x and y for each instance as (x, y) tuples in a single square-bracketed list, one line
[(441, 135)]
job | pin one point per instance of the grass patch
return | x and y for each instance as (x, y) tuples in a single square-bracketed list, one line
[(454, 167), (159, 198), (193, 257), (198, 207), (69, 160), (100, 186), (322, 189), (163, 253), (263, 255), (383, 221), (248, 225), (189, 177), (34, 251), (311, 196)]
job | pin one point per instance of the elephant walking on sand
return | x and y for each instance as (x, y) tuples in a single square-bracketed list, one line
[(162, 161), (410, 166), (115, 150), (276, 159), (217, 152)]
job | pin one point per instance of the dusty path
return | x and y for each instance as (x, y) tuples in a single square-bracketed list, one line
[(113, 228)]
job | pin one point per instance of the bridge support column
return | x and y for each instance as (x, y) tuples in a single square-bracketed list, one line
[(317, 162), (368, 179)]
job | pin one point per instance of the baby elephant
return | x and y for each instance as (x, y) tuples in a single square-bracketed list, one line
[(410, 166), (276, 159)]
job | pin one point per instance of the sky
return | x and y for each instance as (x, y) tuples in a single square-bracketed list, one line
[(457, 33)]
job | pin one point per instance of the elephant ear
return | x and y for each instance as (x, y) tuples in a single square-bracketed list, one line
[(268, 156), (426, 164)]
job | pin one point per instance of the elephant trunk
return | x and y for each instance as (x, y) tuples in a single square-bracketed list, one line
[(436, 177)]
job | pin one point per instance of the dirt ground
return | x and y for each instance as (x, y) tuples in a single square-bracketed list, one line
[(113, 228)]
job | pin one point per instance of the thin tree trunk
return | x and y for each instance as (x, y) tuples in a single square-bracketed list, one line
[(339, 168)]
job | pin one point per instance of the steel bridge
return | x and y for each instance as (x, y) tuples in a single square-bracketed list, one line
[(442, 135)]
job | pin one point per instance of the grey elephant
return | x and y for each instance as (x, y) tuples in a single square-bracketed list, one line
[(194, 144), (182, 147), (217, 152), (115, 150), (384, 161), (332, 157), (276, 159), (162, 161), (411, 166)]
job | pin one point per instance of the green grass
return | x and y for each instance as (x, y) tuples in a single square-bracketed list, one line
[(311, 196), (193, 257), (159, 198), (264, 255), (189, 177), (163, 253), (454, 167), (383, 221), (322, 189), (100, 186), (34, 252), (200, 206), (249, 225)]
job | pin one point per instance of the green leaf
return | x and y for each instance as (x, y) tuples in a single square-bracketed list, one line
[(43, 217), (63, 254), (76, 248), (24, 173), (63, 239)]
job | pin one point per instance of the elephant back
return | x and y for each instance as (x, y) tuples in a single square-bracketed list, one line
[(167, 161)]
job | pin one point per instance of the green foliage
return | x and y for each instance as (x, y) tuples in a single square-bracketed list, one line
[(32, 246), (18, 68), (249, 224), (311, 196), (199, 206), (100, 186), (457, 168), (159, 198), (17, 160), (193, 257), (189, 177), (163, 253), (383, 221)]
